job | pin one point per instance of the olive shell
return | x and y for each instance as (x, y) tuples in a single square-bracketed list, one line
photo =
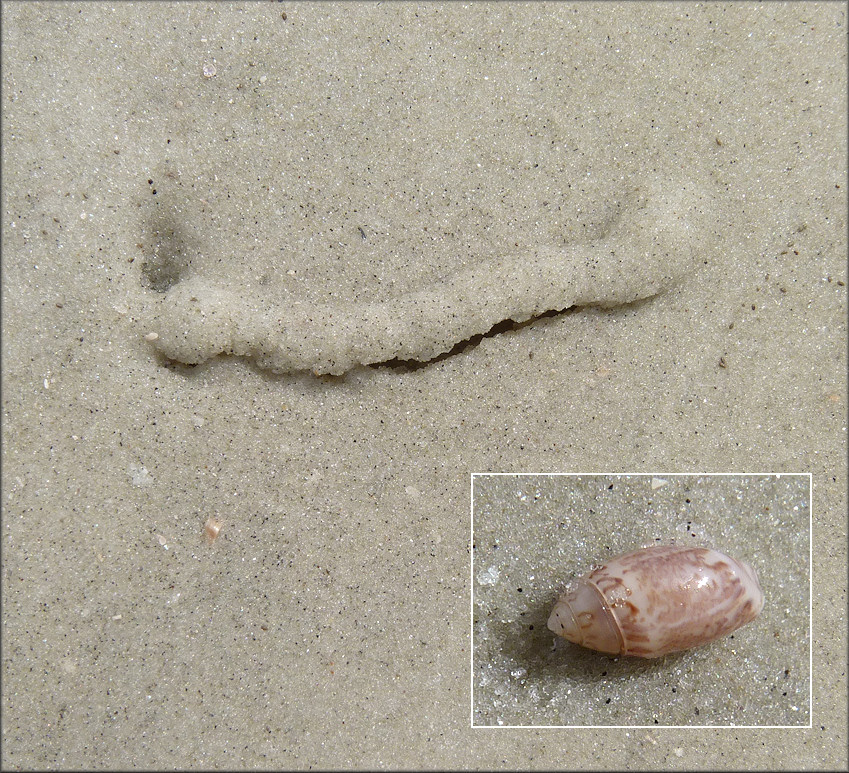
[(658, 600)]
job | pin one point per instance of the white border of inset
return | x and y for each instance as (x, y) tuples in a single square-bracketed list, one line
[(642, 727)]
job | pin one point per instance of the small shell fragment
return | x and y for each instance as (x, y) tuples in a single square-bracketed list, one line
[(658, 600), (211, 529)]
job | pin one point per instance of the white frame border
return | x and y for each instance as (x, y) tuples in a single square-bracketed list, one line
[(642, 727)]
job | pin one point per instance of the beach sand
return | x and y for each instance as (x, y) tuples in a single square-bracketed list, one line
[(313, 157)]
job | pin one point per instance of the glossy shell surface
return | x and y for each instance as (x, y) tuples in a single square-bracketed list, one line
[(658, 600)]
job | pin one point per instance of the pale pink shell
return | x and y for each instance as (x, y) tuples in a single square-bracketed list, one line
[(658, 600)]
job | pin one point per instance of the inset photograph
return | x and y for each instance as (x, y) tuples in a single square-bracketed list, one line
[(639, 600)]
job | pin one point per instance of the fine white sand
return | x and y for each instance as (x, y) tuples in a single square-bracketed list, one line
[(648, 249), (351, 157)]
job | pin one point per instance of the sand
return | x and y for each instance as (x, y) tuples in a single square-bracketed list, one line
[(354, 155)]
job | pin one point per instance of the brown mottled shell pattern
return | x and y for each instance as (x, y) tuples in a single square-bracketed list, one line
[(658, 600)]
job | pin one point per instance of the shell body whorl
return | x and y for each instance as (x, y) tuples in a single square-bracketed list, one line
[(658, 600)]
